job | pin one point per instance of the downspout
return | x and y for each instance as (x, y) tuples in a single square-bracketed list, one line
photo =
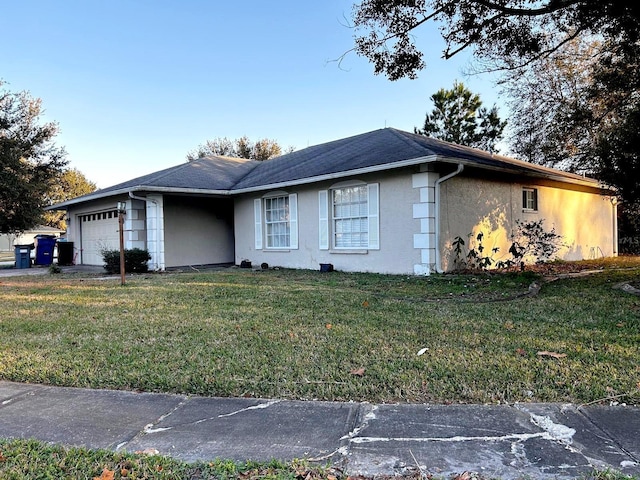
[(157, 252), (614, 203), (437, 213)]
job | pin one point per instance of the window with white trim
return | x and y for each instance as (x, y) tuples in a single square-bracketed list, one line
[(276, 221), (276, 216), (530, 199), (349, 217)]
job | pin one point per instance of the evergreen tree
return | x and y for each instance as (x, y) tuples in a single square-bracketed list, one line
[(29, 161), (458, 117)]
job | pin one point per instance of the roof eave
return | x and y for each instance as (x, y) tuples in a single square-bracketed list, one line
[(138, 188), (531, 170), (336, 175), (525, 169)]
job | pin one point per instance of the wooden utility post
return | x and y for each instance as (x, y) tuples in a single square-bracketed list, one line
[(121, 212)]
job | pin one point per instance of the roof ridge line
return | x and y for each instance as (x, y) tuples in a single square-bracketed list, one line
[(256, 163), (171, 170)]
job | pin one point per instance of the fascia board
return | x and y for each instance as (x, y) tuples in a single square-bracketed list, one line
[(336, 175), (530, 170), (139, 188)]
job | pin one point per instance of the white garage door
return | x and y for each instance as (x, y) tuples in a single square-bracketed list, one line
[(99, 231)]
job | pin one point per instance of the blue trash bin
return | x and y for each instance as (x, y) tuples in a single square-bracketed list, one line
[(23, 256), (44, 249)]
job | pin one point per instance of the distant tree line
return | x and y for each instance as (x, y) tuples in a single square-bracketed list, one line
[(243, 147)]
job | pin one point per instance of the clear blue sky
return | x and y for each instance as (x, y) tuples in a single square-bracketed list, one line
[(136, 84)]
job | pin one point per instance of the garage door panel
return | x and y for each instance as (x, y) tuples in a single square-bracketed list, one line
[(100, 231)]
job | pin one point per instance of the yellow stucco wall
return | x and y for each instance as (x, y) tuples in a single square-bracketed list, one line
[(583, 217)]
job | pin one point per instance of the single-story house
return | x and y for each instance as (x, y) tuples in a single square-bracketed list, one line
[(385, 201), (8, 242)]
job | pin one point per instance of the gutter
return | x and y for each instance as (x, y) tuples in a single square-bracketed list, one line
[(335, 175), (530, 170), (98, 194), (510, 166), (437, 221)]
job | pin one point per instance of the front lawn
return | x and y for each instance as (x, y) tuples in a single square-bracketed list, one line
[(330, 336), (29, 459)]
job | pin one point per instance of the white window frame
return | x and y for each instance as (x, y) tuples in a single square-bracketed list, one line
[(350, 218), (277, 226), (266, 224), (367, 214), (530, 199)]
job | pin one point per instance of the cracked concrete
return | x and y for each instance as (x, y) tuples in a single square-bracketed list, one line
[(508, 441)]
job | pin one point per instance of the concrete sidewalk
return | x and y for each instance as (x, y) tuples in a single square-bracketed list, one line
[(507, 441), (44, 270)]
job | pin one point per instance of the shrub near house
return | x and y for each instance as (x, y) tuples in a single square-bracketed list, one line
[(135, 260)]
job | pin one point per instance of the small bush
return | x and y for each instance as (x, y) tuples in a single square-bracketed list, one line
[(630, 245), (531, 243), (135, 260), (54, 269), (475, 258)]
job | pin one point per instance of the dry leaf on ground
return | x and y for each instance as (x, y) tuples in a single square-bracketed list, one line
[(358, 371), (106, 475), (463, 476), (552, 354), (148, 451)]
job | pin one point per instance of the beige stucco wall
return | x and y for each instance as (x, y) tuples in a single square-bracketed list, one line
[(197, 231), (397, 227), (584, 218)]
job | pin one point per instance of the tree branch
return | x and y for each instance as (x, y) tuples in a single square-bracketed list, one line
[(380, 43), (536, 57), (448, 55), (527, 12)]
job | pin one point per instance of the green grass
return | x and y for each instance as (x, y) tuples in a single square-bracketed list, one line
[(32, 460), (300, 334)]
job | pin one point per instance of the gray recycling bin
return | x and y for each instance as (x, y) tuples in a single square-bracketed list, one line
[(23, 256)]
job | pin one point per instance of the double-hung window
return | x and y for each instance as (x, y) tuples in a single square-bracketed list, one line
[(530, 199), (276, 218), (349, 217)]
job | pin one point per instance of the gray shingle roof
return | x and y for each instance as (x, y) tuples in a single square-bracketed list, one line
[(384, 147), (377, 150), (207, 173)]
